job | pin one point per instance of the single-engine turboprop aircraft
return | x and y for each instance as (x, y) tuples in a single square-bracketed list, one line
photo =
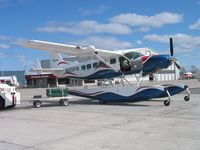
[(104, 64), (101, 64)]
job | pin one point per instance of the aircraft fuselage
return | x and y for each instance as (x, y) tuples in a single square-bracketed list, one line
[(93, 69)]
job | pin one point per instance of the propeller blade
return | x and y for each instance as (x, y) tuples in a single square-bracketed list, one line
[(177, 65), (171, 47)]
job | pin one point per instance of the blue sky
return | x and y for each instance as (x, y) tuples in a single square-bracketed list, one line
[(106, 24)]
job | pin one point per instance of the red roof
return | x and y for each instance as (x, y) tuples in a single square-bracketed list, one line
[(40, 76)]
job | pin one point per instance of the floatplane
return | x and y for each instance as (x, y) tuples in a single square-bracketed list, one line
[(105, 64)]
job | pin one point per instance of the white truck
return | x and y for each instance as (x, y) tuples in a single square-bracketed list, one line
[(9, 96), (10, 80)]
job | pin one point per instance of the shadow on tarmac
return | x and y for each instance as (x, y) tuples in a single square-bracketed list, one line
[(26, 105)]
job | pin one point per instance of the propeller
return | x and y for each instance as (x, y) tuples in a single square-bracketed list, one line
[(173, 60), (177, 65), (171, 47)]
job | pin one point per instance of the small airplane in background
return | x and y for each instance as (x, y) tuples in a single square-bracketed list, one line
[(101, 64)]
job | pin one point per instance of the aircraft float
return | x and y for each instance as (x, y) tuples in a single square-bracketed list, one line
[(105, 64)]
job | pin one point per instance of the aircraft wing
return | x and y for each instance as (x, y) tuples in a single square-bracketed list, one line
[(86, 51)]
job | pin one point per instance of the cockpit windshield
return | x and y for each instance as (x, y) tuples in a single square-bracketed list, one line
[(133, 55), (130, 61)]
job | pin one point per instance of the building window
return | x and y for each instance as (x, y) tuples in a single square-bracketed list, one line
[(89, 81), (88, 66), (83, 67), (113, 61), (94, 65)]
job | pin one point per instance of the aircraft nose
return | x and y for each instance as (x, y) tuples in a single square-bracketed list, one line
[(163, 61)]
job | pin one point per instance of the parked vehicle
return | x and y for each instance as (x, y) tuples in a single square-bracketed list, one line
[(105, 82), (10, 80), (9, 97), (52, 96)]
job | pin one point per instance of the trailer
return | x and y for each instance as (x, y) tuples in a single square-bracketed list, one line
[(9, 96), (57, 95)]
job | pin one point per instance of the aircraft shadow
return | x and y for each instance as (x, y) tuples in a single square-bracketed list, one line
[(27, 105), (96, 102)]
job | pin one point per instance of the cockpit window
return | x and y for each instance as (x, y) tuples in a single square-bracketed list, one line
[(128, 61), (133, 55)]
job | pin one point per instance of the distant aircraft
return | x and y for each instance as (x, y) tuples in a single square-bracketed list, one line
[(101, 64)]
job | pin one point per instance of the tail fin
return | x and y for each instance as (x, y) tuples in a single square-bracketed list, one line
[(37, 68), (38, 64), (57, 61)]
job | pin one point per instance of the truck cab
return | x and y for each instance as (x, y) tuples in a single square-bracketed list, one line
[(9, 96)]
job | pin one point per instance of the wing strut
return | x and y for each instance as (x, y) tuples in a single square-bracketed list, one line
[(105, 62)]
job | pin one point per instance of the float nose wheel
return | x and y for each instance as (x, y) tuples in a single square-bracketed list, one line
[(186, 98), (167, 102)]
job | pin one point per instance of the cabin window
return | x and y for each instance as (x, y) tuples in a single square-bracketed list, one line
[(101, 63), (94, 65), (83, 67), (113, 61), (88, 66)]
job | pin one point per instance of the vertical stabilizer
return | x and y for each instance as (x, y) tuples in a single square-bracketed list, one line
[(38, 64), (57, 61)]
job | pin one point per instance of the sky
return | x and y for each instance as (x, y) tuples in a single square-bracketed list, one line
[(106, 24)]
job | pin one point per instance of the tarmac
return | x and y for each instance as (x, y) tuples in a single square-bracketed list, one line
[(87, 125)]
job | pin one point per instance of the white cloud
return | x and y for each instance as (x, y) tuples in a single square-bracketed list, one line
[(86, 27), (99, 10), (144, 29), (10, 41), (107, 43), (183, 42), (6, 38), (4, 46), (138, 42), (2, 55), (147, 22), (22, 57), (3, 1), (18, 41), (195, 26), (85, 12)]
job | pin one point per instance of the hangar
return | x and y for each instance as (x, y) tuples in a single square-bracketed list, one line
[(49, 80)]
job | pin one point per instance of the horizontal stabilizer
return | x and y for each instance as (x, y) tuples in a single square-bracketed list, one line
[(46, 70)]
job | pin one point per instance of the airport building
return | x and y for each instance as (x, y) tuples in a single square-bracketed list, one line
[(49, 80)]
